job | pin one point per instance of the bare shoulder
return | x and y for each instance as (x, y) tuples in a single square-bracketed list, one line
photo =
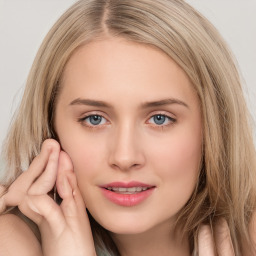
[(16, 238)]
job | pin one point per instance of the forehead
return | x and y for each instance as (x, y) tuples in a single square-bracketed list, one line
[(119, 67)]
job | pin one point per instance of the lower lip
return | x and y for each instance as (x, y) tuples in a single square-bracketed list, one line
[(127, 199)]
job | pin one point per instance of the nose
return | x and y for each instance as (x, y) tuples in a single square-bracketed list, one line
[(126, 149)]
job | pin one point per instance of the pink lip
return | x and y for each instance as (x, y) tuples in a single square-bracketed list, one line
[(127, 199), (126, 184)]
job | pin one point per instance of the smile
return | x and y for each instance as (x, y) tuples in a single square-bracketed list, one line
[(132, 190), (127, 194)]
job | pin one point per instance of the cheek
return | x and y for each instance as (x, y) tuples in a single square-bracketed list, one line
[(86, 154), (177, 163), (178, 157)]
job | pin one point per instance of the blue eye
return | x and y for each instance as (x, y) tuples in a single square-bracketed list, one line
[(94, 120), (161, 119)]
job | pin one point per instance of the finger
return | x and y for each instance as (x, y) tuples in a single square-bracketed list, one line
[(65, 167), (64, 185), (21, 185), (47, 179), (2, 189), (2, 204), (205, 241), (72, 205), (251, 250), (223, 239), (40, 207), (2, 200), (46, 213), (252, 228), (69, 173), (77, 197)]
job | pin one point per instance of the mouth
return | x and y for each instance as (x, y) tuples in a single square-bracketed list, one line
[(128, 191), (127, 194)]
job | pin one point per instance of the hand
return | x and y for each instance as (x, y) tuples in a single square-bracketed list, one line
[(221, 236), (65, 228)]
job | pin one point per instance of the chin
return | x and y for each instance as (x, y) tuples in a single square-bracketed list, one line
[(128, 230), (126, 226)]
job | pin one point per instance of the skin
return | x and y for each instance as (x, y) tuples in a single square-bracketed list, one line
[(126, 145)]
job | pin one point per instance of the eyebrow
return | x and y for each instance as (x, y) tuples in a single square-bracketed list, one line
[(98, 103), (89, 102), (164, 102)]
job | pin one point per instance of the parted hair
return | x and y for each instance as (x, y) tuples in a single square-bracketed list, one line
[(226, 182)]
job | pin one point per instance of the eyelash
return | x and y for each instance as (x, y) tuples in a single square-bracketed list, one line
[(83, 121), (98, 126), (171, 120)]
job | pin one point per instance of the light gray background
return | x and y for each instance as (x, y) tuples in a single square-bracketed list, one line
[(24, 23)]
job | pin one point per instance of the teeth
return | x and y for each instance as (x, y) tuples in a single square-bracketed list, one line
[(131, 190)]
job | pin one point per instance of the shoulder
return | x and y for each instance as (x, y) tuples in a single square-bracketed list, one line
[(16, 238)]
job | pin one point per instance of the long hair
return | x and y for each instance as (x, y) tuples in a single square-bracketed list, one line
[(227, 183)]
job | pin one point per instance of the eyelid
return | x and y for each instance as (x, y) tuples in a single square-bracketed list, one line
[(93, 113)]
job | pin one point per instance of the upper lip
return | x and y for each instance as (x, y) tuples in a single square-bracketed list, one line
[(120, 184)]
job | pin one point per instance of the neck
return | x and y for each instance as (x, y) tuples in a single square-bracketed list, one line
[(159, 239)]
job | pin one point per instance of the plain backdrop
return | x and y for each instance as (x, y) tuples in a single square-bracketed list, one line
[(24, 23)]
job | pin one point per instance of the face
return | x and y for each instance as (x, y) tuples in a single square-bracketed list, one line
[(130, 120)]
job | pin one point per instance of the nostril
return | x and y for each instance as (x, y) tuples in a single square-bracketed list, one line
[(126, 166), (126, 157)]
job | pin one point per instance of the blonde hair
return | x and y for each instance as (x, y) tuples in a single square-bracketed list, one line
[(227, 183)]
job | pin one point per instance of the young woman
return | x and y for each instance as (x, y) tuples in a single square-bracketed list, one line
[(132, 138)]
